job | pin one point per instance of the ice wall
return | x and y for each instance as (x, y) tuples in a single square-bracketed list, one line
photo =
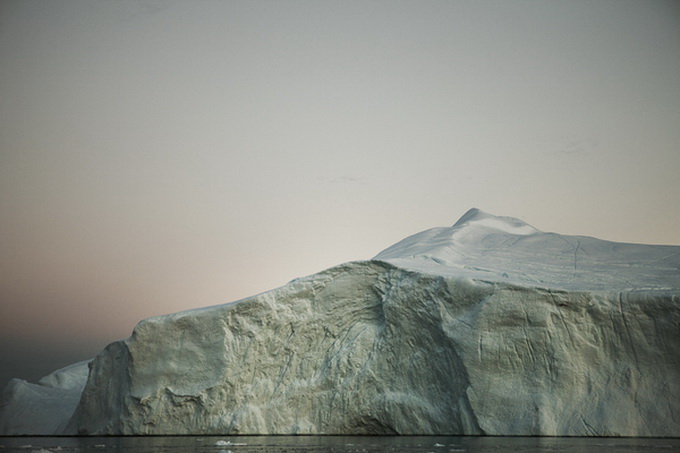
[(371, 348)]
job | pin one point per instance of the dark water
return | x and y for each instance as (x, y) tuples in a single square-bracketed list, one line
[(333, 444)]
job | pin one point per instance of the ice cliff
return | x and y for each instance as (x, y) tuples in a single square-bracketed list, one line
[(486, 327)]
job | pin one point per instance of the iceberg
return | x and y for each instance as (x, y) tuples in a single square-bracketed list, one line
[(45, 407), (487, 327)]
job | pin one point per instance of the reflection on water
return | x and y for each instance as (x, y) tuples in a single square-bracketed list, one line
[(333, 444)]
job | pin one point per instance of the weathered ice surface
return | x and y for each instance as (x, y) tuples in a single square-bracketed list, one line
[(487, 327)]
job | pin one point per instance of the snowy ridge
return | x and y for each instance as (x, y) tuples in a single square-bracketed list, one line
[(502, 223), (505, 249)]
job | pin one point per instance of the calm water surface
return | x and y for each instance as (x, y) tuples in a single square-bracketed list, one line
[(332, 444)]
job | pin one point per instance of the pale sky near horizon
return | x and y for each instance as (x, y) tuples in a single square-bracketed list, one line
[(157, 156)]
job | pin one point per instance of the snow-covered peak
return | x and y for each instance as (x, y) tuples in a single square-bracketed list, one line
[(476, 218), (496, 248), (443, 245)]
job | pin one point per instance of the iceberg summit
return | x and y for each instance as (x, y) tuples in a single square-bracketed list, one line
[(487, 327)]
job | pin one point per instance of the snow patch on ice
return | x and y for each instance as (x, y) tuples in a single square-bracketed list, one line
[(485, 247)]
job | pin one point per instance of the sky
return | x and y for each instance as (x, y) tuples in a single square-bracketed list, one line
[(157, 156)]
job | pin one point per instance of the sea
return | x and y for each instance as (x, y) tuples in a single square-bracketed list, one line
[(335, 444)]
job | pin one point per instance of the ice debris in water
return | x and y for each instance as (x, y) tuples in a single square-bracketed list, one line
[(221, 443)]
